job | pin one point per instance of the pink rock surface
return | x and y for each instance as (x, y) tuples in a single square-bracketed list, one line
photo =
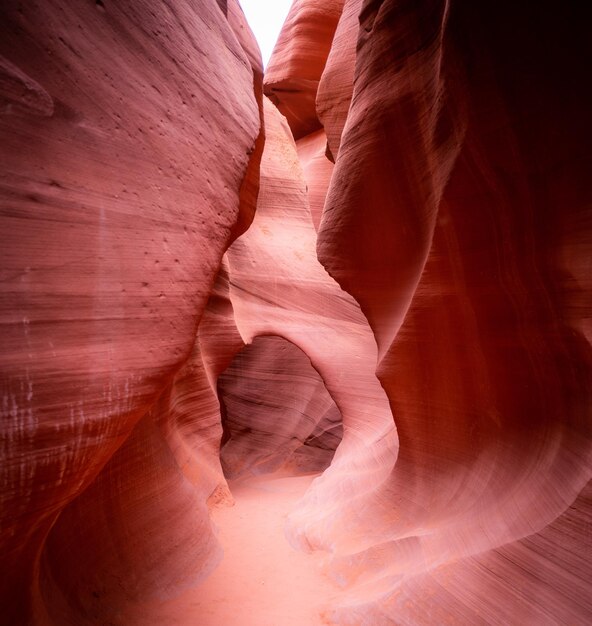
[(277, 412), (260, 573), (337, 81), (158, 332), (278, 287), (378, 253), (113, 226), (298, 59), (317, 170), (250, 184)]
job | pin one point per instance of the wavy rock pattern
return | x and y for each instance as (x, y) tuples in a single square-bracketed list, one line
[(317, 171), (448, 217), (278, 287), (337, 80), (382, 271), (277, 412), (113, 228), (298, 59)]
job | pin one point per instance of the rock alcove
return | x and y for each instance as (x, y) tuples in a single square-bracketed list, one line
[(277, 412)]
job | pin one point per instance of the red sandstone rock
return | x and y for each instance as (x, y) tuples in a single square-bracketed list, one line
[(126, 134), (457, 216), (277, 412), (337, 81), (250, 184), (376, 242), (298, 59), (449, 217), (541, 579), (278, 287), (317, 170)]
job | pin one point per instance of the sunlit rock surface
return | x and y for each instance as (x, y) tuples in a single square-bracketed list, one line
[(407, 310), (295, 68)]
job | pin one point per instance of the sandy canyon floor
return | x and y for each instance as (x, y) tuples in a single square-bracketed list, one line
[(262, 580)]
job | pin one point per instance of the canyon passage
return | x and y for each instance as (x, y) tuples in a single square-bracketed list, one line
[(297, 346)]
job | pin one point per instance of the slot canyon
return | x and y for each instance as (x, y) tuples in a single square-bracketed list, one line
[(297, 346)]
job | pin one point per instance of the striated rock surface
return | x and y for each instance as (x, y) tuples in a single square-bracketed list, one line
[(382, 272), (402, 116), (278, 287), (277, 412), (317, 171), (298, 59), (337, 81), (449, 216), (113, 226)]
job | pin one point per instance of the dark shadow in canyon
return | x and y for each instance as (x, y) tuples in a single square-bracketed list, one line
[(276, 412)]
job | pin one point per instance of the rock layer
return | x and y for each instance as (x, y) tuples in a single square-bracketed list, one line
[(337, 81), (449, 216), (298, 59), (113, 227), (277, 412), (317, 170), (278, 287)]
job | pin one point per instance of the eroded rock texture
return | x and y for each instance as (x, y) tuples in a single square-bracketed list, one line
[(297, 62), (278, 287), (450, 213), (278, 412), (408, 308), (128, 158)]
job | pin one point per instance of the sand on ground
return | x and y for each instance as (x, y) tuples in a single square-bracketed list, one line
[(262, 580)]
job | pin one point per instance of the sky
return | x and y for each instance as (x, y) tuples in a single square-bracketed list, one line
[(265, 18)]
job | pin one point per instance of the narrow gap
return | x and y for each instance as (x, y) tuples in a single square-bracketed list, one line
[(266, 23), (281, 429)]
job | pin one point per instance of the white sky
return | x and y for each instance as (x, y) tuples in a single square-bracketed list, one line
[(265, 18)]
